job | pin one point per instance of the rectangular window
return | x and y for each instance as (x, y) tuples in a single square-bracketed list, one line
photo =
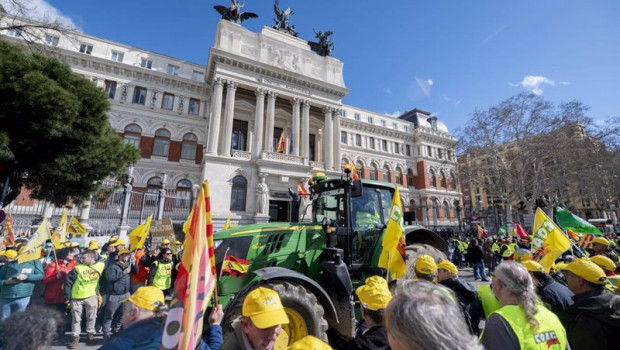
[(172, 69), (371, 142), (312, 147), (406, 128), (396, 148), (194, 106), (394, 126), (167, 102), (188, 150), (358, 140), (277, 132), (439, 153), (133, 140), (198, 76), (430, 151), (343, 137), (117, 56), (383, 123), (240, 135), (343, 113), (86, 49), (110, 88), (449, 155), (146, 63), (370, 120), (139, 95), (384, 147), (51, 40), (357, 116), (408, 150)]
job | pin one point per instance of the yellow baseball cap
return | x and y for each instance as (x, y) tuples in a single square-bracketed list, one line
[(601, 240), (604, 262), (309, 343), (375, 294), (10, 254), (264, 308), (425, 264), (120, 242), (123, 251), (533, 266), (165, 241), (93, 245), (112, 239), (448, 266), (147, 298), (178, 242), (587, 270)]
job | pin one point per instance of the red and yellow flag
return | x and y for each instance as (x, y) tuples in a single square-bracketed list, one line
[(281, 144), (302, 190), (392, 255), (194, 286), (235, 266), (8, 237), (482, 233), (354, 172)]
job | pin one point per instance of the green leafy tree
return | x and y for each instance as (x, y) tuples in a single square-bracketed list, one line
[(55, 136)]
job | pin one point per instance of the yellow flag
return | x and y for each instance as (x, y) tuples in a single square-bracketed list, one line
[(32, 249), (139, 234), (227, 224), (29, 255), (188, 222), (393, 251), (549, 241), (58, 236), (75, 227)]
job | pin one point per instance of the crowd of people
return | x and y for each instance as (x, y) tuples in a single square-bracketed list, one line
[(124, 296)]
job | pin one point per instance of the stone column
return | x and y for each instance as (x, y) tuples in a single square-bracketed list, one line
[(259, 117), (305, 129), (329, 139), (229, 115), (271, 110), (216, 111), (250, 140), (295, 133), (337, 155)]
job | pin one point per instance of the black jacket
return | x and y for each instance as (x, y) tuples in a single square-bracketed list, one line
[(555, 295), (374, 338), (117, 281), (467, 296), (474, 253), (593, 321)]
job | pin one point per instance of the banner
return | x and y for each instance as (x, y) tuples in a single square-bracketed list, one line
[(393, 251), (137, 237), (163, 229), (568, 220), (58, 236), (549, 241), (194, 286)]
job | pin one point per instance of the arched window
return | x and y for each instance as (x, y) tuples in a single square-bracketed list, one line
[(386, 173), (409, 177), (239, 193), (443, 182), (433, 178), (453, 181), (359, 167), (446, 209), (374, 172), (399, 176), (132, 134), (188, 147), (153, 185), (184, 194), (161, 145)]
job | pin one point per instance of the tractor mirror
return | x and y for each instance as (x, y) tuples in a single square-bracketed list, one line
[(356, 188)]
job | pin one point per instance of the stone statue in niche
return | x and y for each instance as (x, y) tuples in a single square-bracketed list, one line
[(262, 197), (233, 13), (281, 20), (324, 46)]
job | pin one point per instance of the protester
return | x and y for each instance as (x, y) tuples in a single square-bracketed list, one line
[(260, 324), (489, 254), (475, 256), (17, 282), (161, 274), (599, 246), (425, 268), (374, 297), (422, 315), (522, 322), (312, 343), (466, 294), (606, 264), (32, 329), (81, 289), (593, 321), (117, 290), (139, 269), (554, 295)]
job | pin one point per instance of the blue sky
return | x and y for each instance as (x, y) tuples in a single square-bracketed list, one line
[(443, 56)]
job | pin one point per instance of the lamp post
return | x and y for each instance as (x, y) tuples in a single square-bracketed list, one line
[(127, 182), (161, 195)]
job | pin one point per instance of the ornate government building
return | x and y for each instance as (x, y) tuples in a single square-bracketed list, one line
[(264, 114)]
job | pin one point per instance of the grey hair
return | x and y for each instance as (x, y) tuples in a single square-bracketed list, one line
[(426, 316), (519, 284)]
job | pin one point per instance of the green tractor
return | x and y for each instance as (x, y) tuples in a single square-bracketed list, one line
[(316, 266)]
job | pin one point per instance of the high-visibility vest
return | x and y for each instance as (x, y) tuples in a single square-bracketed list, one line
[(495, 248), (487, 299), (163, 275), (550, 333), (87, 281), (365, 219)]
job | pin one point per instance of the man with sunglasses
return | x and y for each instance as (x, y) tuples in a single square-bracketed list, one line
[(162, 274)]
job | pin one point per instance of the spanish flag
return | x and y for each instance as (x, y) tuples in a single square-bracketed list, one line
[(281, 144), (354, 172), (482, 233), (235, 266), (301, 190), (392, 255)]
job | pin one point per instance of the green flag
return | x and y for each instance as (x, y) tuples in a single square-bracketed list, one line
[(502, 231), (569, 221)]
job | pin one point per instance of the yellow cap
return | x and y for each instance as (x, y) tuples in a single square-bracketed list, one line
[(74, 244), (112, 239), (375, 294), (123, 251), (147, 297), (425, 264), (587, 270), (448, 266), (178, 243), (10, 254), (165, 241), (264, 308), (604, 262), (309, 343), (533, 266), (560, 266), (120, 242), (67, 244), (601, 240)]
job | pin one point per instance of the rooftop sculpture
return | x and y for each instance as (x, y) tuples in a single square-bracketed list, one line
[(282, 20), (324, 46), (233, 13)]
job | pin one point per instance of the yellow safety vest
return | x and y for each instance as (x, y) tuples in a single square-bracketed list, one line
[(487, 299), (550, 333), (87, 281), (495, 248), (367, 220), (163, 275)]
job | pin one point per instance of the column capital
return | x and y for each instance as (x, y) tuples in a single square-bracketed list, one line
[(250, 125), (329, 109), (218, 81), (272, 94), (260, 92), (231, 84), (305, 103), (295, 101)]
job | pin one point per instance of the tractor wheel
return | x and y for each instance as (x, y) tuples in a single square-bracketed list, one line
[(415, 250), (305, 314)]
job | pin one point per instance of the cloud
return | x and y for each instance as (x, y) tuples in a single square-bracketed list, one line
[(565, 83), (452, 101), (394, 114), (430, 82), (534, 83), (488, 38), (387, 91), (40, 10)]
